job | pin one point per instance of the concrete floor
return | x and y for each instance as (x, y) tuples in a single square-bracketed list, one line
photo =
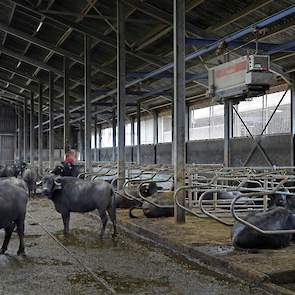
[(129, 266), (208, 237)]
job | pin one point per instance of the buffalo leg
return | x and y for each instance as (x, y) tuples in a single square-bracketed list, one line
[(66, 222), (104, 220), (112, 216), (21, 231), (8, 233)]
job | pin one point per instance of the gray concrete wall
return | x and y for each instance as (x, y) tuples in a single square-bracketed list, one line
[(147, 154), (205, 151), (106, 154), (211, 151), (277, 147), (7, 119), (164, 153)]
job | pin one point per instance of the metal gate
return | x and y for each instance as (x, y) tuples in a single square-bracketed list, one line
[(7, 148)]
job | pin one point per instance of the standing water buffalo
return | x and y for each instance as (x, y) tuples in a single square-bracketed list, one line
[(66, 169), (13, 203), (8, 171), (30, 177), (70, 194), (277, 218), (15, 181)]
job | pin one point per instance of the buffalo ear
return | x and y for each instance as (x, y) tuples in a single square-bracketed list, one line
[(57, 184)]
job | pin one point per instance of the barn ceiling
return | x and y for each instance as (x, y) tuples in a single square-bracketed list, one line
[(36, 35)]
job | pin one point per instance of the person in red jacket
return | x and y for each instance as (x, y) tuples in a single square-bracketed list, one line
[(70, 157)]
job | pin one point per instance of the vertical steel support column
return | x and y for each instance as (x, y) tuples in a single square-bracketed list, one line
[(32, 144), (87, 97), (138, 117), (40, 131), (114, 127), (25, 135), (156, 137), (132, 120), (155, 119), (19, 135), (99, 143), (187, 123), (121, 91), (172, 136), (66, 105), (51, 121), (179, 103), (228, 131), (293, 119), (81, 142), (95, 139)]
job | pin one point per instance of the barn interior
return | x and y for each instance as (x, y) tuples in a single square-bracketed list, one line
[(197, 96)]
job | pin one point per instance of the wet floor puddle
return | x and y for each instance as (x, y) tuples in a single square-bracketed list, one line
[(16, 262), (122, 284), (214, 249), (86, 238)]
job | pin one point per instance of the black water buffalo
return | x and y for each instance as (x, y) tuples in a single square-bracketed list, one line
[(15, 181), (70, 194), (8, 171), (19, 167), (151, 193), (152, 211), (146, 190), (282, 199), (30, 177), (66, 169), (277, 218), (13, 203)]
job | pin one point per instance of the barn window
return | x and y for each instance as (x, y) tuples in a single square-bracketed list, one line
[(165, 127)]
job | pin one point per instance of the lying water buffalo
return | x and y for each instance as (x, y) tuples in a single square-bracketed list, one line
[(146, 190), (30, 177), (282, 199), (66, 169), (70, 194), (152, 211), (13, 203), (163, 199), (275, 219)]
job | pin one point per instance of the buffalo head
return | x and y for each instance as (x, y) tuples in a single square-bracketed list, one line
[(51, 183)]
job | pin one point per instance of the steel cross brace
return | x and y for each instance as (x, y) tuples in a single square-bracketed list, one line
[(257, 144), (270, 118)]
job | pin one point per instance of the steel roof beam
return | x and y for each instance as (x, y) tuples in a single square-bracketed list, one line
[(35, 63), (233, 18), (163, 29), (234, 36), (29, 60), (271, 47), (13, 92), (27, 76), (163, 16), (39, 42), (19, 73), (86, 30), (19, 85), (48, 46)]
